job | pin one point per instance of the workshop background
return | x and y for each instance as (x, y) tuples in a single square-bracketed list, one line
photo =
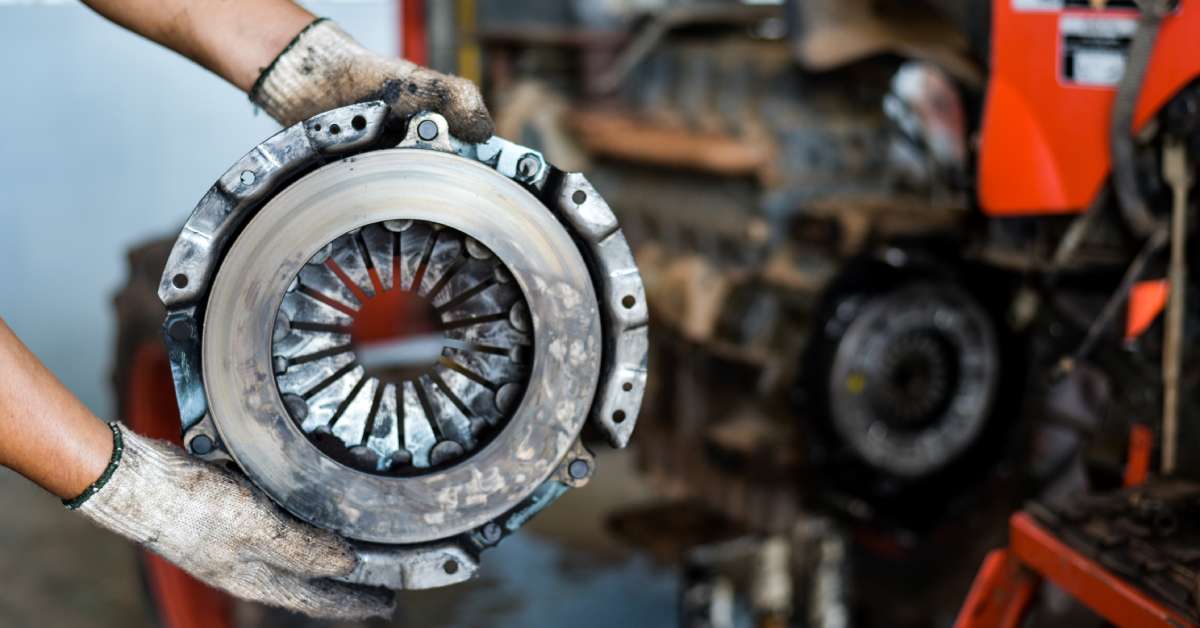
[(918, 320)]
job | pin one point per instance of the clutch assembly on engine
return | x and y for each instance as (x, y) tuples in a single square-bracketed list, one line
[(400, 336)]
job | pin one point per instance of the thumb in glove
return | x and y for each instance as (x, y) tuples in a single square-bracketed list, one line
[(324, 68)]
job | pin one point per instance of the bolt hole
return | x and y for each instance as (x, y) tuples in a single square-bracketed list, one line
[(450, 567), (619, 416), (359, 123), (629, 301), (180, 281), (579, 197), (334, 129), (317, 126), (627, 386)]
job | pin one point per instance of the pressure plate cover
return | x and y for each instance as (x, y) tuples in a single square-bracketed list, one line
[(400, 336)]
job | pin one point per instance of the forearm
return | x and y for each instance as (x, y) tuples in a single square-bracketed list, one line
[(236, 39), (324, 69), (46, 433), (206, 519)]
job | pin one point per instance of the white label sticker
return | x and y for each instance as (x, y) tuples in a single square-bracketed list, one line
[(1099, 67), (1098, 27), (1093, 49), (1037, 5), (1058, 5)]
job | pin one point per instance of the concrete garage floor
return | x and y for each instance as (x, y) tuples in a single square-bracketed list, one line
[(562, 569), (59, 570)]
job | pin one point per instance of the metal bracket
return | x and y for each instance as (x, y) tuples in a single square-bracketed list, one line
[(623, 303)]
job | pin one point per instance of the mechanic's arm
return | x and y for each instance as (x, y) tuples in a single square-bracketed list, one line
[(293, 65), (202, 517), (46, 434)]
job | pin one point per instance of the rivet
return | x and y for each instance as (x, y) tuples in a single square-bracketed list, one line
[(518, 317), (296, 406), (507, 397), (491, 533), (180, 330), (201, 445), (396, 226), (427, 130), (477, 250), (579, 469)]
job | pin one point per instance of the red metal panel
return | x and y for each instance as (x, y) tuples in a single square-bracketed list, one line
[(1044, 142), (1141, 446), (413, 45), (1146, 301), (181, 600)]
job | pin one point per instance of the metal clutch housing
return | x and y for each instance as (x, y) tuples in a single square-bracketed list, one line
[(400, 336)]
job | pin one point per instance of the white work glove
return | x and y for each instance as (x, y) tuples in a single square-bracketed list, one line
[(324, 68), (217, 527)]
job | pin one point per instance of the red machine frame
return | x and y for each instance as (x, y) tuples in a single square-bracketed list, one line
[(180, 600), (1044, 145), (1004, 588)]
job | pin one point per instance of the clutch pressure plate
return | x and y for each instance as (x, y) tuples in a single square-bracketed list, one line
[(400, 336)]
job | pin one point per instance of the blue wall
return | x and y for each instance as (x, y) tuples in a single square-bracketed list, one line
[(108, 140)]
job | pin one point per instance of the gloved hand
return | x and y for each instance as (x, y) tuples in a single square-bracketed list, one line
[(324, 68), (217, 527)]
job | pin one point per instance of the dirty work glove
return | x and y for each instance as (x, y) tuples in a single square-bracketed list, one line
[(217, 527), (324, 68)]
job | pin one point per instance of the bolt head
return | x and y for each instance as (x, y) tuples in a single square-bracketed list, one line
[(528, 165)]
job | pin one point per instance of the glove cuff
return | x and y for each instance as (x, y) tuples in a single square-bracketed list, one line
[(297, 83), (113, 462), (145, 473)]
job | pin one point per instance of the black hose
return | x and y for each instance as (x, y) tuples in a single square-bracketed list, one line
[(1154, 243), (1131, 201)]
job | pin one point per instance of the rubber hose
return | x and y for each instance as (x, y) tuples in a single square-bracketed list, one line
[(1130, 200)]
